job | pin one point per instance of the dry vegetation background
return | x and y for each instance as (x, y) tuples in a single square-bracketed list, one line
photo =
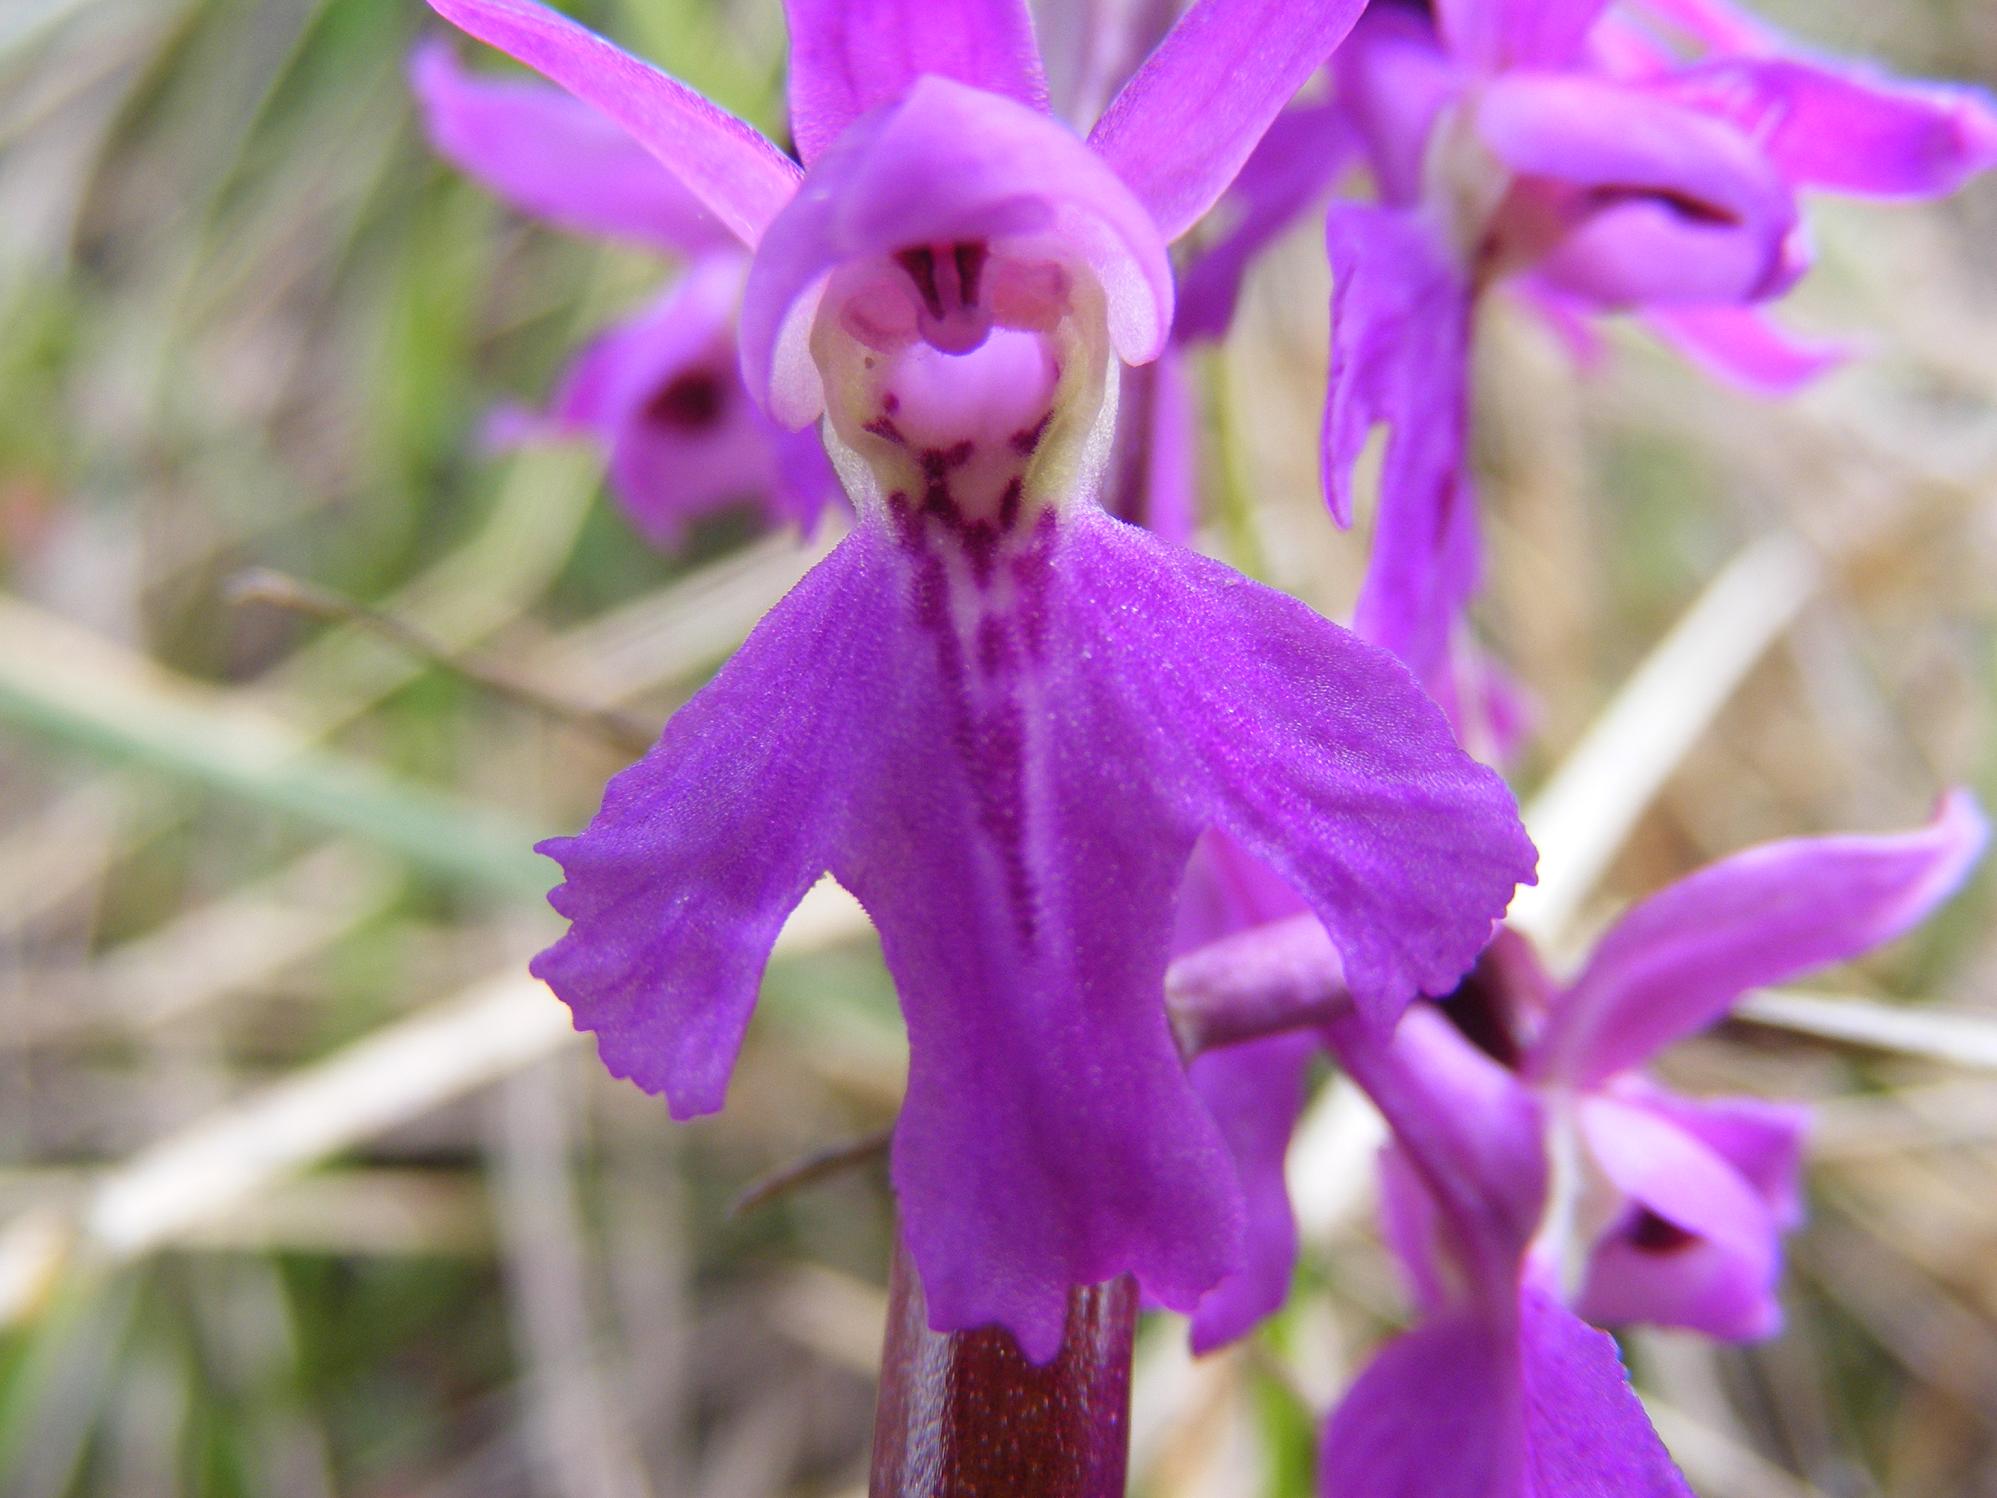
[(305, 1190)]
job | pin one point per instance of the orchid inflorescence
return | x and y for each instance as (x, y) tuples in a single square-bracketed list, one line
[(1051, 749)]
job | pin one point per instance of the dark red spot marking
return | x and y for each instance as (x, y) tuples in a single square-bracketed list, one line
[(936, 501), (1652, 1234), (1009, 503), (981, 547), (1481, 1011), (885, 429), (692, 402), (920, 263), (996, 656), (970, 260), (1027, 439)]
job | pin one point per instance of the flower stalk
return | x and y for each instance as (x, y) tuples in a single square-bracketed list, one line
[(968, 1413)]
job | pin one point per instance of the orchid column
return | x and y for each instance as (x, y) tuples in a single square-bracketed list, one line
[(997, 715)]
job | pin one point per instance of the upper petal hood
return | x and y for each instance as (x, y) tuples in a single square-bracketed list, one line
[(948, 163)]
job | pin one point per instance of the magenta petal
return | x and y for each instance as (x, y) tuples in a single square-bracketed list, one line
[(1189, 117), (1255, 1093), (1715, 25), (1434, 1415), (1498, 34), (1018, 850), (678, 887), (1700, 1249), (1153, 471), (1468, 1136), (1763, 1141), (1400, 332), (1228, 890), (848, 56), (1531, 1402), (1670, 204), (1677, 961), (1304, 152), (1319, 753), (1394, 80), (1585, 1430), (948, 163), (555, 157), (741, 178), (1846, 129), (1743, 345)]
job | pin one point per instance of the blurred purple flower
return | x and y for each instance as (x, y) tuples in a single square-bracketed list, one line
[(998, 715), (661, 391), (1642, 158), (1498, 1391), (1675, 1207)]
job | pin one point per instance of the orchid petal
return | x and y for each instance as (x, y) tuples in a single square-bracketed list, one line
[(849, 56), (1761, 1140), (1023, 892), (1744, 346), (1305, 151), (948, 163), (1716, 25), (1585, 1428), (1436, 1414), (1227, 891), (1498, 34), (1845, 128), (1400, 352), (555, 157), (1532, 1404), (727, 166), (679, 885), (1255, 1091), (1191, 115), (1702, 1251), (1321, 755), (1677, 961), (1469, 1134), (1153, 472), (1668, 203), (1394, 79)]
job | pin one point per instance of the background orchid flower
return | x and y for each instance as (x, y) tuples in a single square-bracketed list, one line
[(999, 716), (1676, 1211), (1498, 1391), (661, 390), (1679, 1205), (1639, 158)]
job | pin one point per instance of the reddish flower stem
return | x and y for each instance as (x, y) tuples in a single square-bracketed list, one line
[(965, 1415)]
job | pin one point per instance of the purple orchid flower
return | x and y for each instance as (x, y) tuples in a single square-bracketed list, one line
[(996, 714), (1499, 1391), (1641, 158), (661, 391), (1678, 1204)]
